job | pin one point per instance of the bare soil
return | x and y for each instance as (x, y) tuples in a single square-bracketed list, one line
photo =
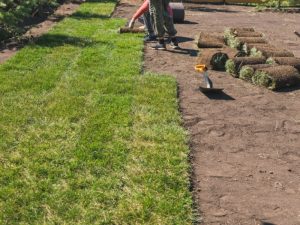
[(245, 143), (39, 26)]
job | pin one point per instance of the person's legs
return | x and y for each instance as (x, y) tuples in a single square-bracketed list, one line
[(168, 20), (150, 35), (169, 25), (148, 23), (156, 11)]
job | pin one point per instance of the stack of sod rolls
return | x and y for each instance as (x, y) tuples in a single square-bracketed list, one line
[(237, 37), (276, 77), (279, 71), (213, 52), (247, 71), (291, 61), (234, 65)]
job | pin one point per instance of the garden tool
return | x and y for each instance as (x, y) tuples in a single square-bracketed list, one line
[(208, 83)]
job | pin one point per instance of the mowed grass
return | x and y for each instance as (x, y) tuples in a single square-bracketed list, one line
[(84, 137)]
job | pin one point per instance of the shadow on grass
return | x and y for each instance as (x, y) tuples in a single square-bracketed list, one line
[(101, 1), (55, 40), (87, 15)]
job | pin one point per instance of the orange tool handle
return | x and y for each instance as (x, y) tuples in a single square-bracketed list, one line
[(200, 68)]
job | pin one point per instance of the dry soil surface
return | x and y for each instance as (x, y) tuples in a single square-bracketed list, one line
[(245, 143)]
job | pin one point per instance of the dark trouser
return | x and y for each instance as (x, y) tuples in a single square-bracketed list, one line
[(148, 23), (161, 20)]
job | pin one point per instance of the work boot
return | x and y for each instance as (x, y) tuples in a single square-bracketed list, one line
[(149, 38), (174, 43), (161, 45)]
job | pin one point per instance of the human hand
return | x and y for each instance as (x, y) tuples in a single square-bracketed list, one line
[(131, 23)]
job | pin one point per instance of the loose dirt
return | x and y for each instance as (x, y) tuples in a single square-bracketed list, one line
[(38, 28), (245, 143)]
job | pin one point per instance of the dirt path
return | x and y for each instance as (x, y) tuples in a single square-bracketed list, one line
[(245, 144)]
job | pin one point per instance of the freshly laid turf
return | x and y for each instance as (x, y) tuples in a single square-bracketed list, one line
[(84, 138)]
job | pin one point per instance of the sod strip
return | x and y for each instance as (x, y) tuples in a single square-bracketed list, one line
[(156, 180), (50, 174), (68, 118)]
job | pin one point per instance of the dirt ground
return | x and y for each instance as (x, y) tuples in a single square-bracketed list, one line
[(245, 143)]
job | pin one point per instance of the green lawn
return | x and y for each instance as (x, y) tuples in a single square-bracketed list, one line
[(84, 137)]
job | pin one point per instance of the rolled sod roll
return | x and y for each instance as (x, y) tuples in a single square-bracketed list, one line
[(260, 45), (247, 34), (178, 11), (267, 47), (213, 58), (276, 77), (267, 51), (241, 29), (232, 41), (228, 33), (246, 72), (250, 40), (291, 61), (276, 53), (239, 42), (231, 52), (234, 65), (131, 30), (210, 41), (248, 47)]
